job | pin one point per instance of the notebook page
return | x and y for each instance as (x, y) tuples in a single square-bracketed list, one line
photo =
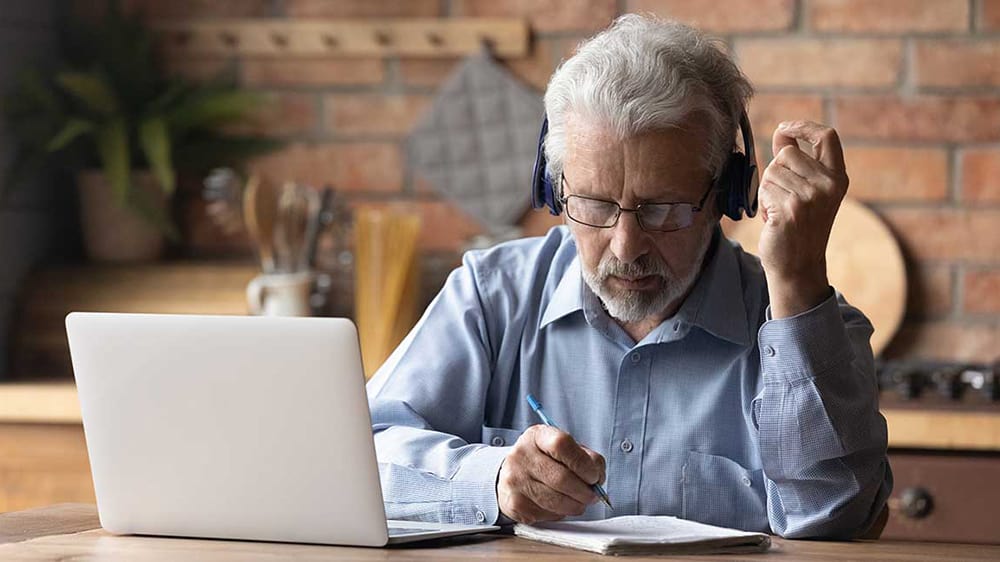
[(635, 530)]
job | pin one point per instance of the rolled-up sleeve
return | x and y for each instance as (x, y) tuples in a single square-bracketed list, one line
[(427, 404), (822, 439)]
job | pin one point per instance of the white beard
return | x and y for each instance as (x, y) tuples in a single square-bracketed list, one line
[(630, 306)]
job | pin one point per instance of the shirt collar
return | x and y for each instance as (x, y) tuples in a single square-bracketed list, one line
[(568, 296), (715, 304)]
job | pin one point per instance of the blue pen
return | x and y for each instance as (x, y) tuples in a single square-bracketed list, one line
[(537, 407)]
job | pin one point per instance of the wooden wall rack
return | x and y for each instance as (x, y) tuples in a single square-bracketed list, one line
[(423, 37)]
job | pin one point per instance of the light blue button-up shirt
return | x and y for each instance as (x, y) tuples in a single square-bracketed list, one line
[(720, 414)]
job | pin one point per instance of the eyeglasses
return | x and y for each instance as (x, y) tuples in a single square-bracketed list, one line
[(653, 217)]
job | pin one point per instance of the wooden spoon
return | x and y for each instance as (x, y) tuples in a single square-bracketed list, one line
[(259, 210)]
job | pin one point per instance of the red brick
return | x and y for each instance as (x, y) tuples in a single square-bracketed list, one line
[(536, 69), (537, 222), (154, 10), (881, 173), (312, 72), (947, 234), (821, 62), (981, 290), (722, 16), (373, 113), (283, 114), (362, 166), (929, 291), (444, 226), (363, 8), (946, 341), (980, 175), (425, 72), (767, 110), (889, 16), (989, 19), (543, 15), (196, 69), (924, 118), (955, 63)]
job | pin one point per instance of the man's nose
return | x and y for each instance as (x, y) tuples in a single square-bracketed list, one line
[(628, 240)]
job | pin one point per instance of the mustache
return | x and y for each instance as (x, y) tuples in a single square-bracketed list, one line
[(645, 266)]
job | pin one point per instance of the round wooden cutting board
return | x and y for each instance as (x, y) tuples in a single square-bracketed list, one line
[(863, 262)]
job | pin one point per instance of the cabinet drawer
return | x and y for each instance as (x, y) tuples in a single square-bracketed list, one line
[(950, 497)]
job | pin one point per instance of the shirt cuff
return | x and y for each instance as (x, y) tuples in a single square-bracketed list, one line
[(805, 345), (475, 486)]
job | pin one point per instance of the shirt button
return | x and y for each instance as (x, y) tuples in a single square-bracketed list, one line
[(497, 441), (480, 516), (746, 481), (768, 351), (636, 358), (626, 446)]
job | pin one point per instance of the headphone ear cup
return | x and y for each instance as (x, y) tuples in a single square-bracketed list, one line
[(542, 192), (733, 184)]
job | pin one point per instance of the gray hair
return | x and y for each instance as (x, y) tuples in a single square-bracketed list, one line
[(643, 73)]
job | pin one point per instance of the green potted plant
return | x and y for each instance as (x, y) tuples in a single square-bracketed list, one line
[(110, 114)]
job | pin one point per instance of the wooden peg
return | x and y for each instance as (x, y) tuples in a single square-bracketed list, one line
[(280, 40), (434, 38), (229, 39), (181, 38), (383, 38), (330, 41)]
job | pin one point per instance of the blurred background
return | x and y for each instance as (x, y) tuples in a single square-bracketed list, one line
[(285, 157)]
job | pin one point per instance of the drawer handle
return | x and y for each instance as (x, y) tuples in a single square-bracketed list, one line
[(916, 503)]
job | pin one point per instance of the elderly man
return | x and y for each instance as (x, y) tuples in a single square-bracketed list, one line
[(689, 377)]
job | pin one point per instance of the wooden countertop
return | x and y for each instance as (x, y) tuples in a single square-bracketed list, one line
[(918, 429), (71, 531)]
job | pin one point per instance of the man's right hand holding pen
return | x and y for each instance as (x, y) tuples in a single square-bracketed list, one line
[(548, 475)]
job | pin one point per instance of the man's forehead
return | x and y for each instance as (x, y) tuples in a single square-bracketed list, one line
[(652, 164)]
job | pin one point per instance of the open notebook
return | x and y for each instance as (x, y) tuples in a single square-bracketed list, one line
[(636, 534)]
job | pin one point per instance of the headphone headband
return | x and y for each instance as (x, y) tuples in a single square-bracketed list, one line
[(738, 181)]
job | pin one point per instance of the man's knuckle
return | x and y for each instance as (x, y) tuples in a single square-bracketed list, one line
[(519, 502), (563, 480)]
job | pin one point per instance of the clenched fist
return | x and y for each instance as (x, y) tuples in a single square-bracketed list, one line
[(547, 476), (799, 197)]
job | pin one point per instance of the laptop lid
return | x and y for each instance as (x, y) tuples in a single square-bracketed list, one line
[(228, 427)]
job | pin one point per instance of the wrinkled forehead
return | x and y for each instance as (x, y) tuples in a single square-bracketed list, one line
[(656, 164)]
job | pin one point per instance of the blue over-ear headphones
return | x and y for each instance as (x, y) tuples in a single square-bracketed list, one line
[(736, 187)]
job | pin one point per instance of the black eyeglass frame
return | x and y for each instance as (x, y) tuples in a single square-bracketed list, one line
[(695, 208)]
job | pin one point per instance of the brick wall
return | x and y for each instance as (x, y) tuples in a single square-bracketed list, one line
[(913, 86)]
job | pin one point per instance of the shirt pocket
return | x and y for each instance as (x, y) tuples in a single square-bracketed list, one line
[(500, 436), (719, 491)]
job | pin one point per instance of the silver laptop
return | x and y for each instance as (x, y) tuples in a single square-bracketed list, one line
[(233, 427)]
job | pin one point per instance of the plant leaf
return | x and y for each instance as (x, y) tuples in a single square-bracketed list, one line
[(112, 146), (155, 141), (211, 151), (210, 108), (175, 92), (73, 129), (90, 89), (157, 215)]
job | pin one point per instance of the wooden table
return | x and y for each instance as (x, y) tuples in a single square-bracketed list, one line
[(71, 531)]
